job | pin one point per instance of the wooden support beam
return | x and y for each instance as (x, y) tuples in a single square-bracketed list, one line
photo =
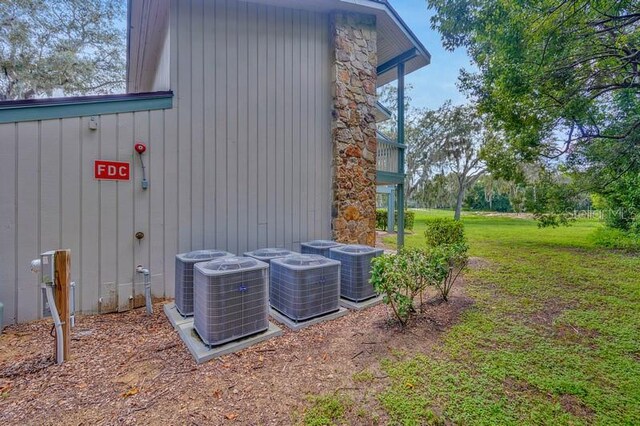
[(394, 62), (62, 261)]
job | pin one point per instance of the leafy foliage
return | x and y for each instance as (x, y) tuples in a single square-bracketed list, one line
[(448, 262), (448, 253), (617, 239), (402, 278), (390, 277), (382, 219), (561, 80), (622, 203), (489, 194), (73, 46), (448, 140), (444, 231)]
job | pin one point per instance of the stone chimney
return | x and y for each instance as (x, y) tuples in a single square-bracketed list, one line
[(354, 127)]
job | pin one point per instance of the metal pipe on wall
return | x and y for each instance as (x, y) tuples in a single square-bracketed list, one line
[(147, 287), (57, 324)]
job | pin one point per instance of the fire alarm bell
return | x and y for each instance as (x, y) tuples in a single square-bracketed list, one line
[(140, 147)]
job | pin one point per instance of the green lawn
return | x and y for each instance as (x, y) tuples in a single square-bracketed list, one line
[(553, 337)]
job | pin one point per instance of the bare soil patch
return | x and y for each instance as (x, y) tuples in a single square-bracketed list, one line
[(478, 263), (573, 405)]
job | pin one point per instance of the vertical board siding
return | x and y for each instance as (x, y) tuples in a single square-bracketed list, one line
[(242, 161), (259, 141), (70, 207), (197, 122), (8, 220), (156, 214), (107, 142), (88, 260), (28, 218), (49, 200)]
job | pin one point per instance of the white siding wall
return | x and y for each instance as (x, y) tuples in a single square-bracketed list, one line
[(162, 76), (242, 161), (49, 200)]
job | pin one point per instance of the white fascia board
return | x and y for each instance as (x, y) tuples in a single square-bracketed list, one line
[(386, 8)]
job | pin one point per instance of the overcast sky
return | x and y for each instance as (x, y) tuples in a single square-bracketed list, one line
[(435, 83)]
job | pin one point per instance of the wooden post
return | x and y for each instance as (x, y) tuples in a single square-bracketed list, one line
[(62, 289), (400, 203)]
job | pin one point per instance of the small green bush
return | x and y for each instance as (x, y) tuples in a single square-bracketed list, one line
[(382, 223), (403, 277), (448, 252), (381, 219), (448, 260), (390, 278), (409, 220), (444, 231)]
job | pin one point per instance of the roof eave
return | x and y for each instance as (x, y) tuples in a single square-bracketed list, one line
[(399, 22)]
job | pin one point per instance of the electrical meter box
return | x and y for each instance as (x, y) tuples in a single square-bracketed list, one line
[(46, 276)]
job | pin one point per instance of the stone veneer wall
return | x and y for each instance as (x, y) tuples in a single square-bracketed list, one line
[(354, 127)]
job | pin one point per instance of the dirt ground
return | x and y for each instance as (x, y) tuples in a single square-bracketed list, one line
[(130, 368)]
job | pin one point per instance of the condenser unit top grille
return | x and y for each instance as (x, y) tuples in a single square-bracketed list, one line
[(269, 253), (202, 255), (356, 249), (305, 261), (322, 244), (227, 265)]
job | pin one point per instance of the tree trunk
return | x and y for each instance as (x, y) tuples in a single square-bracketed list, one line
[(456, 216)]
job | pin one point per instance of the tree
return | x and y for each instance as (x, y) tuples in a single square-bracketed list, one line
[(415, 173), (75, 47), (437, 191), (489, 194), (561, 79), (452, 140)]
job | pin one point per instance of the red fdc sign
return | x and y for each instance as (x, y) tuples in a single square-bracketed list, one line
[(111, 170)]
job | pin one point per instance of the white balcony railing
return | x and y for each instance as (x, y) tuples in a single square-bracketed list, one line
[(388, 155)]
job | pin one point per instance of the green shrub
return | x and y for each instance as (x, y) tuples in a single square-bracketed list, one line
[(448, 261), (382, 223), (403, 277), (381, 219), (421, 271), (444, 231), (390, 278), (409, 220), (448, 252), (616, 239)]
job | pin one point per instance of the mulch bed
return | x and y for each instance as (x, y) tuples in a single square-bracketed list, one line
[(130, 368)]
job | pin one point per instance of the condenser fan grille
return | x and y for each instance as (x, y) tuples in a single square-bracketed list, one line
[(184, 276), (355, 271), (231, 299), (304, 286)]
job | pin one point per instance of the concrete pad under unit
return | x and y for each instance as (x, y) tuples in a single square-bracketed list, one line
[(175, 318), (358, 306), (202, 353), (298, 325)]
